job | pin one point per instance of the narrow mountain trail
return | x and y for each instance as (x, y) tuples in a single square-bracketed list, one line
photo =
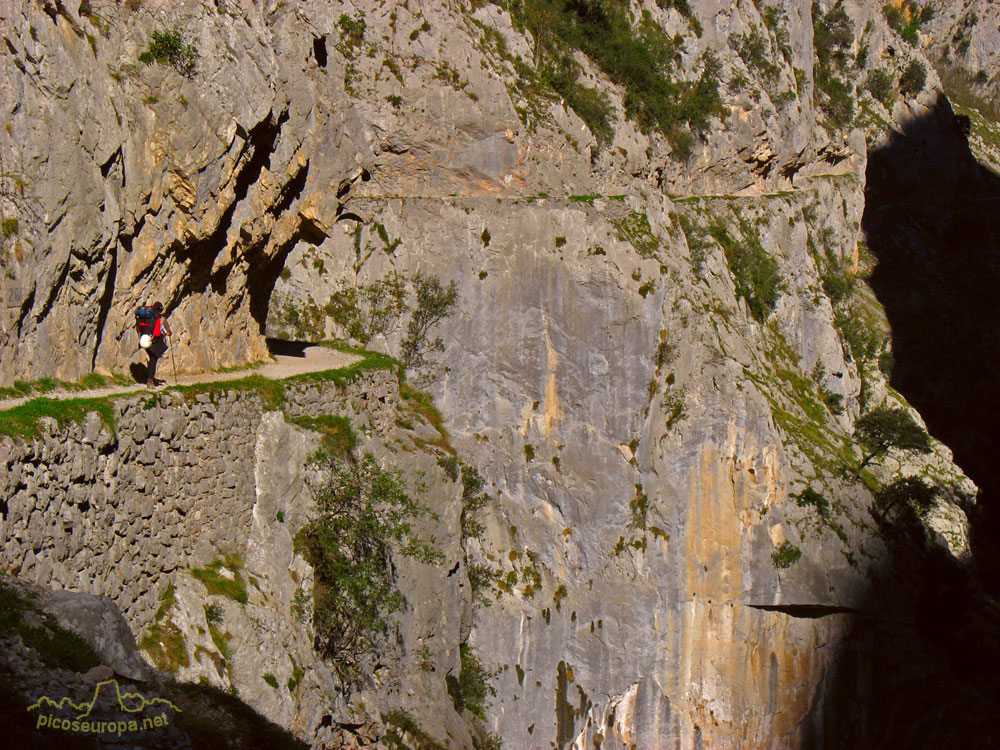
[(312, 359)]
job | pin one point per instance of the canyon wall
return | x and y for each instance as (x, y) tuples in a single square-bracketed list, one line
[(646, 408)]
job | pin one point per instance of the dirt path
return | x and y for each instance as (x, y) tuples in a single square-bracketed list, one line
[(313, 359)]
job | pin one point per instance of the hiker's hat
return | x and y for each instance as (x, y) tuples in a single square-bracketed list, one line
[(145, 341)]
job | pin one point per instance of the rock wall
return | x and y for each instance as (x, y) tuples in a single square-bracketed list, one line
[(641, 427), (181, 481), (111, 510)]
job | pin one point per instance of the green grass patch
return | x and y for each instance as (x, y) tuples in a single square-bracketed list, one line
[(422, 404), (221, 641), (635, 230), (404, 733), (219, 584), (165, 645), (270, 679), (756, 275), (239, 368), (22, 389), (338, 436), (22, 421), (18, 390), (798, 411), (168, 598), (297, 674), (270, 392)]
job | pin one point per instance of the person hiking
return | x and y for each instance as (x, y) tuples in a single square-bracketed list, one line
[(153, 330)]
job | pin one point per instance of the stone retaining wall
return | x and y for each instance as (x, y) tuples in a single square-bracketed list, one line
[(84, 509)]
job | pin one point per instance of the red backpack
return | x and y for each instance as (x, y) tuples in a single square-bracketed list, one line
[(147, 321)]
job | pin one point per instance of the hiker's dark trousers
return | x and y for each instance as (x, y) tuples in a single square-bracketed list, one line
[(155, 351)]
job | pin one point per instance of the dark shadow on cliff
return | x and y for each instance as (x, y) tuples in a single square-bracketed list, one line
[(923, 671), (932, 220)]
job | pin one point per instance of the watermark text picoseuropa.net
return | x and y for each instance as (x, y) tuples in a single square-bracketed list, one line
[(101, 727), (109, 711)]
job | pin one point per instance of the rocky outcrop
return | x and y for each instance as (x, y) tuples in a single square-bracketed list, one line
[(50, 638)]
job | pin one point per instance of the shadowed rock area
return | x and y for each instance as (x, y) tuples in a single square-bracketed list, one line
[(922, 672)]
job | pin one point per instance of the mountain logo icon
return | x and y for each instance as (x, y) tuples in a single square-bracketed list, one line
[(137, 713)]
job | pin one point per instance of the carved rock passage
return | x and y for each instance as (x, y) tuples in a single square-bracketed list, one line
[(139, 184)]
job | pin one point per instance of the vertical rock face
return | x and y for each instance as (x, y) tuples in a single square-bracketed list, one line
[(652, 358)]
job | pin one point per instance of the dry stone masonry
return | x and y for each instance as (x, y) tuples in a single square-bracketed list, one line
[(113, 509)]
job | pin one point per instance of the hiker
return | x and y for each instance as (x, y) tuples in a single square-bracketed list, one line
[(153, 330)]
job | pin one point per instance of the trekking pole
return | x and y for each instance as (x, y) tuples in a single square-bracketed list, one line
[(174, 363)]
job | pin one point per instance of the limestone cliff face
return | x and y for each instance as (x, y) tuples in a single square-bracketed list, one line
[(641, 421), (130, 182)]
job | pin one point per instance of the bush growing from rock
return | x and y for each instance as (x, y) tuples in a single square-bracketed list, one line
[(909, 492), (363, 515), (914, 78), (434, 303), (884, 428), (756, 275), (786, 555), (169, 47), (879, 85)]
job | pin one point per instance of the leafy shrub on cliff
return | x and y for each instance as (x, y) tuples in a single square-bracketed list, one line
[(434, 302), (352, 33), (913, 79), (786, 555), (833, 35), (879, 85), (593, 107), (470, 690), (639, 58), (859, 334), (884, 428), (371, 309), (756, 275), (911, 493), (363, 515), (811, 498), (754, 50), (169, 47), (907, 19)]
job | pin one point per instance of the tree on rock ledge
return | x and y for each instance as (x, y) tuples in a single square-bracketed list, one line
[(885, 428)]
